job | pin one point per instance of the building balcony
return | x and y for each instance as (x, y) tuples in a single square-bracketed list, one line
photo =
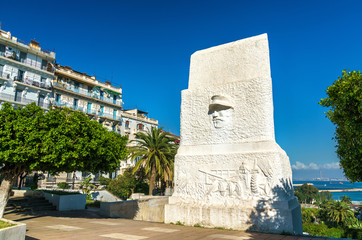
[(27, 62), (4, 76), (33, 84), (21, 100), (24, 46), (84, 78), (83, 93)]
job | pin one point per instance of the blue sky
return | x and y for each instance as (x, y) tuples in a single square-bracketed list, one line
[(145, 46)]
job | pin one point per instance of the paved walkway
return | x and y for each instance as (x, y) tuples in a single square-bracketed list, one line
[(88, 225)]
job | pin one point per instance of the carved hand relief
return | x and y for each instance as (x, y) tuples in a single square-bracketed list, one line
[(221, 111)]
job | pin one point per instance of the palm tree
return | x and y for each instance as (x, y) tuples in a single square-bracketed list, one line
[(340, 213), (346, 199), (157, 151)]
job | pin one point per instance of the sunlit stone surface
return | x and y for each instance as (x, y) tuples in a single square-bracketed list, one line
[(229, 171)]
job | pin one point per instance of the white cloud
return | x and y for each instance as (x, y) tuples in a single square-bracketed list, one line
[(314, 166), (334, 165)]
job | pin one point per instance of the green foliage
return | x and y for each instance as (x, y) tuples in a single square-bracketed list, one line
[(156, 151), (87, 187), (104, 181), (345, 103), (306, 193), (56, 141), (124, 185), (58, 192), (354, 230), (341, 213), (322, 230), (4, 224), (60, 140), (63, 185), (347, 200), (310, 215), (92, 203), (198, 225), (179, 223), (325, 196)]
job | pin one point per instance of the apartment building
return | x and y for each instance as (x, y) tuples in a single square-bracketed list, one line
[(26, 72), (102, 102), (29, 73)]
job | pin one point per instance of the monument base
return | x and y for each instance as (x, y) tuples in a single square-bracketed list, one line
[(261, 216)]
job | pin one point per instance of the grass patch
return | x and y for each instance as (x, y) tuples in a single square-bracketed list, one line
[(58, 192), (198, 225), (92, 203), (179, 223), (4, 224), (220, 228)]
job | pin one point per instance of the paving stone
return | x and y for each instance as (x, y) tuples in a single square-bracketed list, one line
[(159, 229), (64, 227), (123, 236), (106, 223)]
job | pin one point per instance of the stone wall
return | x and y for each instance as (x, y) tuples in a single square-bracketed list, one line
[(150, 209)]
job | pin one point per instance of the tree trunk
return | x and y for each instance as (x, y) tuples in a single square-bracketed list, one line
[(21, 179), (152, 179), (5, 189)]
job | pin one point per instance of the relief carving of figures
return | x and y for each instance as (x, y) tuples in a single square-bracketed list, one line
[(244, 183)]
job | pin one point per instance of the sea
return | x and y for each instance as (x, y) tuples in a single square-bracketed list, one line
[(337, 185)]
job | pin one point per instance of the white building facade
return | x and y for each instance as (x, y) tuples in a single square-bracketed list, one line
[(26, 72), (29, 73)]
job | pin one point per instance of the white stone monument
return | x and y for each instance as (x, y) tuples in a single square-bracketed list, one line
[(229, 171)]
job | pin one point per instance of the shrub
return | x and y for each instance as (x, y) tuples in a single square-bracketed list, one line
[(63, 185), (141, 187), (104, 181), (310, 215), (322, 230), (57, 192)]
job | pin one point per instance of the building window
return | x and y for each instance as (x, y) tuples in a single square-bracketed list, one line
[(89, 90), (101, 111), (57, 98), (89, 108), (101, 94), (42, 82), (127, 124), (18, 93), (44, 64), (76, 87), (20, 75), (75, 104), (114, 114), (140, 126), (114, 99), (41, 100), (22, 57)]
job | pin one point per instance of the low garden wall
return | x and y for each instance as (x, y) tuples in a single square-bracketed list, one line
[(147, 209), (67, 202), (16, 232), (104, 196), (26, 193)]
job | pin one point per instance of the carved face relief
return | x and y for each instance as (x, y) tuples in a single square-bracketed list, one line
[(221, 111)]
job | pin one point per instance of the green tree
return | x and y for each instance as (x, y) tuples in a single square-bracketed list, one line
[(340, 213), (55, 141), (156, 151), (346, 199), (123, 186), (345, 103), (325, 196), (63, 185), (306, 193)]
